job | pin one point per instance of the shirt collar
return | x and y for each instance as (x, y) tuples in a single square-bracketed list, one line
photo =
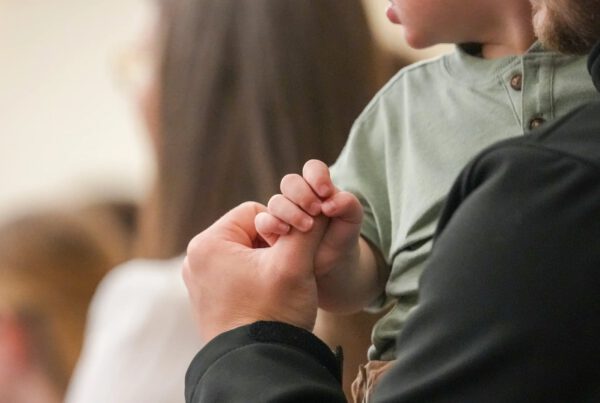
[(466, 64)]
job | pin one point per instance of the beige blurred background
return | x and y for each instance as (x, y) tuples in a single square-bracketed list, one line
[(68, 133)]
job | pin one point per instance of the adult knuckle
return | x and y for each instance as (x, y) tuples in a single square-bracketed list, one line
[(186, 273), (197, 245), (193, 244)]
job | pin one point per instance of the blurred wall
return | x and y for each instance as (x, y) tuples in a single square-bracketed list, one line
[(67, 133)]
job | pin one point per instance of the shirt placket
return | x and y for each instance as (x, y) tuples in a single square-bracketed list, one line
[(536, 92)]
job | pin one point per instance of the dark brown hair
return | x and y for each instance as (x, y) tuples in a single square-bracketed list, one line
[(249, 90)]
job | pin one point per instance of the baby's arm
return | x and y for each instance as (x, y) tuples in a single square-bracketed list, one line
[(349, 273)]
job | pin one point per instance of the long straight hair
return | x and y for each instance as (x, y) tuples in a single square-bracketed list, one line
[(249, 90)]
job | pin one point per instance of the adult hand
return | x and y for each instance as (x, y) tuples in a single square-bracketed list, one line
[(233, 282)]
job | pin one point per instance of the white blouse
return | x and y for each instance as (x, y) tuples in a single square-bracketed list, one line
[(140, 337)]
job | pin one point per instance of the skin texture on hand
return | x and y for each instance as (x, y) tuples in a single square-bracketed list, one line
[(233, 280)]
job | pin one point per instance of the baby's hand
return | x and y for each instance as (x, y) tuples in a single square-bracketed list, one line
[(307, 196)]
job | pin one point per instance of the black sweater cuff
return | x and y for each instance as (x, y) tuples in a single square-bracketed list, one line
[(261, 332)]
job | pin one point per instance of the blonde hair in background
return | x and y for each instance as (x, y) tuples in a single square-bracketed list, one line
[(50, 265)]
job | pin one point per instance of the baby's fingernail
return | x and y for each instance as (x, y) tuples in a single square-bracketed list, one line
[(306, 223), (329, 205), (323, 190), (283, 228)]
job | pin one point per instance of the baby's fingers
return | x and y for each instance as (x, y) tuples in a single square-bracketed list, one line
[(270, 228), (288, 212), (316, 174), (299, 192), (344, 206)]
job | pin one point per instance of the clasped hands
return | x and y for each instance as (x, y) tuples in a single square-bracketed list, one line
[(258, 263)]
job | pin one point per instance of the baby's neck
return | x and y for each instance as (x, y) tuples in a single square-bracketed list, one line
[(510, 34), (496, 51)]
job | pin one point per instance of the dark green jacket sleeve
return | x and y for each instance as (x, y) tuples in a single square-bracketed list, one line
[(510, 298)]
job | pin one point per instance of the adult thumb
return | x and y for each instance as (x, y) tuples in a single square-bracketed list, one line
[(300, 247)]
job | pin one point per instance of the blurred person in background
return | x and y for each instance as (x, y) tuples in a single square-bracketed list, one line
[(117, 219), (50, 265), (223, 86)]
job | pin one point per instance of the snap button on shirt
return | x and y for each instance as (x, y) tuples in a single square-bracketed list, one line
[(536, 122), (516, 82)]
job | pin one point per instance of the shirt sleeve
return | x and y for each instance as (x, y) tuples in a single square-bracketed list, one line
[(360, 169), (139, 338)]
